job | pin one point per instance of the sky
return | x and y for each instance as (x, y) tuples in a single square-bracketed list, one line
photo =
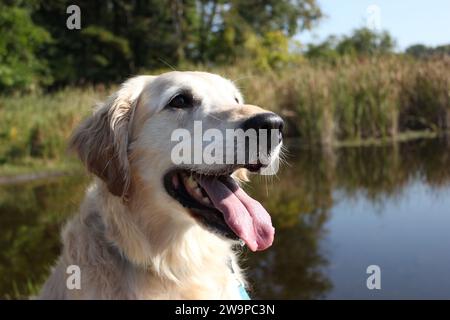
[(408, 21)]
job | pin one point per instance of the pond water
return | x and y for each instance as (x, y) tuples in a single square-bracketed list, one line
[(336, 212)]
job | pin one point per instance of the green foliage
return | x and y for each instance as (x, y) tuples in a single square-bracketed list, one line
[(20, 43), (361, 42), (422, 51), (37, 126), (350, 100), (354, 99), (325, 50), (426, 96), (115, 40), (418, 50), (229, 28), (350, 88), (119, 38), (365, 41), (109, 54), (268, 52)]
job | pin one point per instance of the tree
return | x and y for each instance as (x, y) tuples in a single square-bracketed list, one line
[(418, 50), (20, 43), (422, 51), (365, 41), (119, 38), (225, 26), (361, 42), (324, 50)]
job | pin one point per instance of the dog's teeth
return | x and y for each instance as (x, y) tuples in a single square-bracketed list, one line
[(191, 183), (206, 200), (198, 192)]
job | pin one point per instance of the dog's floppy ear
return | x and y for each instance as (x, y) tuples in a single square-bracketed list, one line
[(101, 141)]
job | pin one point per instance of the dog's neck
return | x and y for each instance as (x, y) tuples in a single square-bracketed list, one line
[(174, 250)]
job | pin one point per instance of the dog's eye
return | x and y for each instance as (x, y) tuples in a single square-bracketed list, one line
[(181, 101), (236, 99)]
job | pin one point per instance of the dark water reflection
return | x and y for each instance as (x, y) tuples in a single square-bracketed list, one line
[(336, 212)]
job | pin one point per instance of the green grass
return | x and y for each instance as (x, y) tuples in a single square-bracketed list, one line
[(35, 128), (356, 99), (30, 165), (401, 137), (352, 101)]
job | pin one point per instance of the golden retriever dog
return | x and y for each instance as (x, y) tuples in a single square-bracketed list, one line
[(150, 228)]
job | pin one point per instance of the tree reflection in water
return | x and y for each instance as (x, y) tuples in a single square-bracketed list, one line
[(299, 199)]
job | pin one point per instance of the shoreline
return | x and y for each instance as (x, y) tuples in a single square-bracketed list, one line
[(45, 172), (34, 176)]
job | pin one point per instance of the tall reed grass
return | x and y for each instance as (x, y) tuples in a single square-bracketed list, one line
[(322, 102), (377, 97), (37, 126)]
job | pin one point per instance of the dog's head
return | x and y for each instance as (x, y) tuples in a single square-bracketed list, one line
[(185, 138)]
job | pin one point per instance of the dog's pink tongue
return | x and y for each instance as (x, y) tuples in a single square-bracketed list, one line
[(243, 214)]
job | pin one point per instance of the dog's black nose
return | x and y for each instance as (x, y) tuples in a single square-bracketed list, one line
[(266, 121)]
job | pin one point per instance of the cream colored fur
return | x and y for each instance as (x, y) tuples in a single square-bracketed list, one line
[(130, 239)]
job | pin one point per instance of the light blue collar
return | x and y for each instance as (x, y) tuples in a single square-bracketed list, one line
[(243, 293), (240, 286)]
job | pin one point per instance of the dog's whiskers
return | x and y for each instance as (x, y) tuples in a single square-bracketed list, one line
[(167, 64), (214, 117), (242, 78)]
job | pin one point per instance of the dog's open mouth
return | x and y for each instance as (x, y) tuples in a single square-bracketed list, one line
[(219, 203)]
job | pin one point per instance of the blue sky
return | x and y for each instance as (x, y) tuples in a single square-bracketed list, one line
[(408, 21)]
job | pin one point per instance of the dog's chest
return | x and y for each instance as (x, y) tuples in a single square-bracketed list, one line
[(205, 287)]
